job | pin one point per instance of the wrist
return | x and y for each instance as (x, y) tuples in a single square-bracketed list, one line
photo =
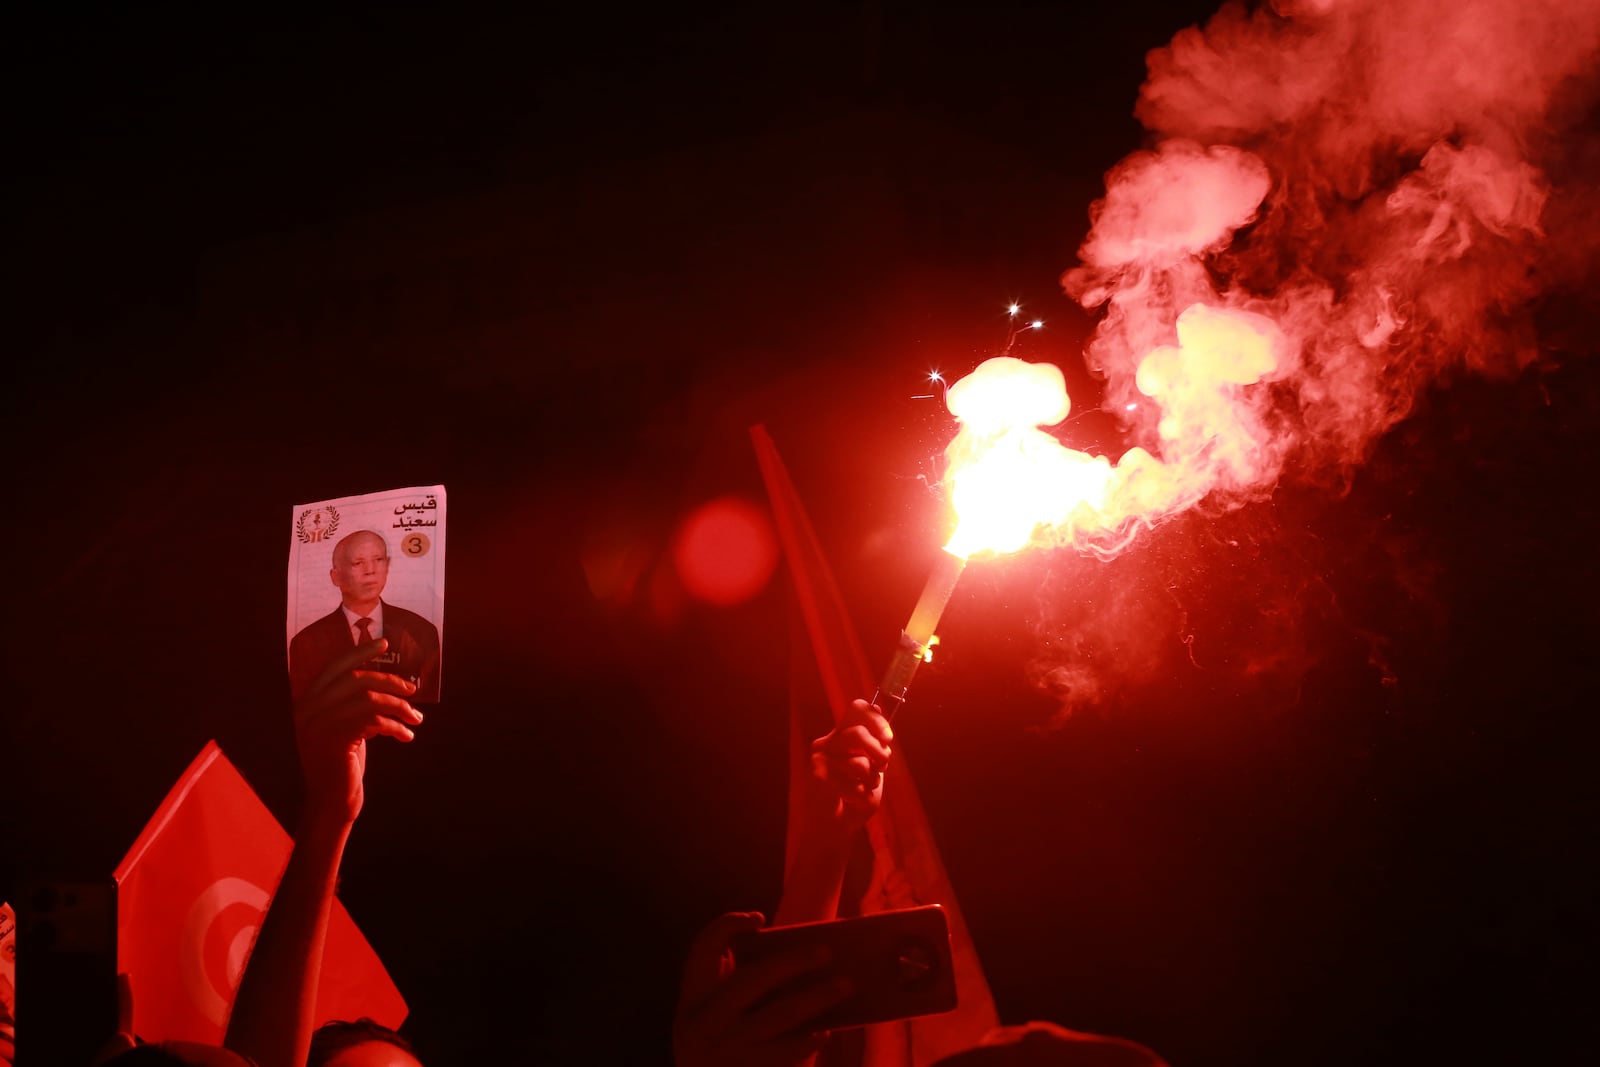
[(828, 840), (821, 858), (325, 824)]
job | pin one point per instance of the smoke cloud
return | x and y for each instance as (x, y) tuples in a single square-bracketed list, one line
[(1343, 202), (1366, 174)]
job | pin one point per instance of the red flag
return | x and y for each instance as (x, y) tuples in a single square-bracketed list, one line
[(192, 892), (907, 870)]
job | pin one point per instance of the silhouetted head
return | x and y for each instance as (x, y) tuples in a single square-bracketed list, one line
[(362, 1043), (176, 1054), (1040, 1044)]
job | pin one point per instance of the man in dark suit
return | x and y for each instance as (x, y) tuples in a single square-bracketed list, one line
[(360, 571)]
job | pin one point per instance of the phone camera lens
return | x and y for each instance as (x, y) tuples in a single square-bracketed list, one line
[(915, 964)]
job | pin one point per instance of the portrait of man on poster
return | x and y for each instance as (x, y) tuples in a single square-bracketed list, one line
[(360, 571)]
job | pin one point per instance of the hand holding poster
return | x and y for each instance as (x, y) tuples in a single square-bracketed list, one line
[(365, 567)]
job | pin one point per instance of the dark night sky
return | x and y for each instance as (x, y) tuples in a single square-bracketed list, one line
[(560, 263)]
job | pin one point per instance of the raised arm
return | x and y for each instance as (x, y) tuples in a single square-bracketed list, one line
[(843, 791), (274, 1012)]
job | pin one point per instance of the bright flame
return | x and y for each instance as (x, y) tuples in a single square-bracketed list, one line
[(1013, 484), (1007, 476)]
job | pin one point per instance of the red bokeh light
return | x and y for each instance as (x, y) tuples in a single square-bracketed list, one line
[(725, 551)]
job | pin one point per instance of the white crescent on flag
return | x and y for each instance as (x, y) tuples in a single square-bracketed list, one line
[(217, 935)]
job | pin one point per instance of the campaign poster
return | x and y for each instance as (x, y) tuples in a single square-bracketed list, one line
[(365, 567)]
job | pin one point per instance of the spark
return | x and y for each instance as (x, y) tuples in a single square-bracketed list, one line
[(934, 376), (1015, 329)]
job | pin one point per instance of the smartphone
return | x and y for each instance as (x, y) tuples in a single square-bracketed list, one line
[(898, 962), (66, 997)]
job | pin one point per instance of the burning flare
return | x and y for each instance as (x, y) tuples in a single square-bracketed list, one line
[(1012, 484), (1343, 202)]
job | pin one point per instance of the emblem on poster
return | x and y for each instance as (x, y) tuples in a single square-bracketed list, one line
[(315, 524)]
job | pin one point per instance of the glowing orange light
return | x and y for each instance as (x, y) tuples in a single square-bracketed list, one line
[(1011, 484), (1006, 475)]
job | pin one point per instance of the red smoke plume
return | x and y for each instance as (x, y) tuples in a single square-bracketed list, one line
[(1377, 191), (1366, 173)]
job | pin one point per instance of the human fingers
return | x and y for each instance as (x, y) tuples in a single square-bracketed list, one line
[(389, 697), (348, 724), (352, 688), (796, 1013), (378, 715), (352, 682), (853, 770), (702, 968), (853, 741), (350, 661), (754, 981), (871, 716), (359, 692), (383, 726), (856, 782)]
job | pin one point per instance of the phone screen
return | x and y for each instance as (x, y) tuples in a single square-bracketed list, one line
[(897, 961)]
